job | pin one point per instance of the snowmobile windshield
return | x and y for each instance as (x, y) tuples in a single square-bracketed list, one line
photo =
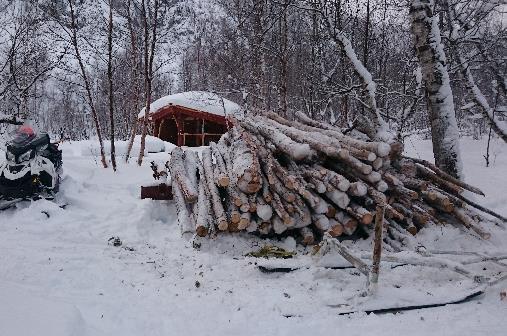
[(22, 136)]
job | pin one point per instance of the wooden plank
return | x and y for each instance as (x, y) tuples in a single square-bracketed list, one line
[(160, 192)]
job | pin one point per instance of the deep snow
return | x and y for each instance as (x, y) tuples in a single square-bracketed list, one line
[(59, 276)]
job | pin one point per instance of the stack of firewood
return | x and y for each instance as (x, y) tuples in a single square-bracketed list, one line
[(272, 176)]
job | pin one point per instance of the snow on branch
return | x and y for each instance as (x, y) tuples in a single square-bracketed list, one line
[(374, 126)]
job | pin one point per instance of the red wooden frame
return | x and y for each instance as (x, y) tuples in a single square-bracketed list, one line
[(178, 112)]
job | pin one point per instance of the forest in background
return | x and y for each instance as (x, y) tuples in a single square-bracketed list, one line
[(81, 67)]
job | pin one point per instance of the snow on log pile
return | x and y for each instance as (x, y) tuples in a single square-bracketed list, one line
[(272, 177)]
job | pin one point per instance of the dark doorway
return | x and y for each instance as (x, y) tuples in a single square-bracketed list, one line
[(168, 131)]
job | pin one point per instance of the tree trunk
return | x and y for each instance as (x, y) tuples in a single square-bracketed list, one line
[(88, 90), (110, 82), (149, 55), (136, 63), (430, 52)]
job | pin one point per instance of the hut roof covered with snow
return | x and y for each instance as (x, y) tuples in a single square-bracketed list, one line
[(191, 118), (196, 100)]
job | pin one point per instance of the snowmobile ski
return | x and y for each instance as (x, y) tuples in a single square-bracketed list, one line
[(6, 204)]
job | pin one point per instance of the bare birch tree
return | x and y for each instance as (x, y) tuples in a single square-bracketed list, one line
[(110, 82), (440, 101), (136, 63), (84, 75), (455, 33), (150, 41)]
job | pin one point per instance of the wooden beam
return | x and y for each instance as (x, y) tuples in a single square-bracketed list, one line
[(180, 129), (171, 110)]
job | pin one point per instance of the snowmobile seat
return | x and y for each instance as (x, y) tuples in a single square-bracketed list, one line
[(20, 147)]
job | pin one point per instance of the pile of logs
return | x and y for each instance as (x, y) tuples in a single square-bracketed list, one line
[(273, 177)]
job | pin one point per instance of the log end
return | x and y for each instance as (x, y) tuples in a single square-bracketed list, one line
[(235, 217), (201, 231), (336, 230), (223, 225), (367, 219), (243, 223), (223, 181)]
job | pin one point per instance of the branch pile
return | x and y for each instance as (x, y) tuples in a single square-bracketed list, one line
[(303, 178)]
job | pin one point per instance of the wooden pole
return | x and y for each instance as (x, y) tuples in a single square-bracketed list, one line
[(202, 131), (377, 246), (179, 126)]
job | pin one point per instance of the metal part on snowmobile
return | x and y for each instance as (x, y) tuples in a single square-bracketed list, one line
[(32, 167)]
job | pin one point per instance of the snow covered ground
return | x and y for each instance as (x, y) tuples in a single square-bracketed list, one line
[(59, 275)]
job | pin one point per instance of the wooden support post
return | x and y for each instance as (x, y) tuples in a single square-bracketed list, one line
[(203, 134), (161, 123), (179, 127), (377, 247)]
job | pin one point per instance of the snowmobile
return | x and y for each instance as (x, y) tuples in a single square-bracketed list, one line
[(32, 168)]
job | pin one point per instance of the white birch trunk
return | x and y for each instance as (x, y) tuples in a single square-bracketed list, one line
[(430, 51)]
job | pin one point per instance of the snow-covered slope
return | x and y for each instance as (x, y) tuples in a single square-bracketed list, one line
[(59, 276)]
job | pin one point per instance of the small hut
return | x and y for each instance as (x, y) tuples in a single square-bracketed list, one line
[(191, 119)]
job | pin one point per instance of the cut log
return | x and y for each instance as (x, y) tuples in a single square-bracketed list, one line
[(479, 207), (278, 187), (185, 218), (382, 186), (252, 202), (336, 229), (266, 193), (320, 143), (413, 183), (407, 167), (405, 192), (444, 184), (221, 176), (245, 167), (439, 200), (362, 154), (191, 166), (439, 172), (357, 189), (178, 175), (349, 223), (307, 235), (281, 212), (203, 213), (339, 198), (380, 148), (469, 223), (265, 228), (244, 221), (321, 222), (302, 216), (360, 213), (297, 151), (377, 196), (377, 163), (216, 202), (253, 227), (322, 206), (336, 180)]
